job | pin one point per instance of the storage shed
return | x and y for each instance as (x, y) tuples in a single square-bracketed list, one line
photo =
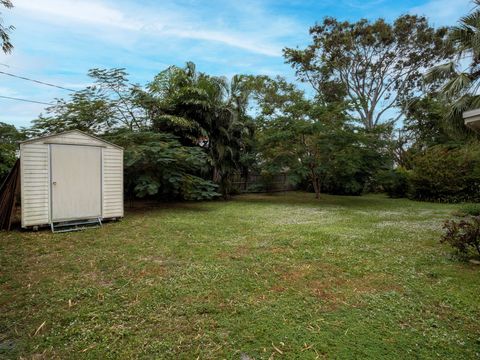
[(70, 177)]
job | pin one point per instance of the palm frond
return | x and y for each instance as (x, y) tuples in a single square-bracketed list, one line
[(441, 72), (453, 119), (462, 36), (457, 86), (475, 44), (472, 19)]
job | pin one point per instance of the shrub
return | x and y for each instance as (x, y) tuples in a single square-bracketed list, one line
[(447, 174), (9, 136), (158, 165), (395, 182), (470, 209), (463, 235), (7, 160)]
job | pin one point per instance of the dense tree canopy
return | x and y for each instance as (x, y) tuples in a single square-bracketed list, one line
[(188, 135), (86, 110), (188, 112), (378, 65), (316, 141), (156, 164), (206, 111)]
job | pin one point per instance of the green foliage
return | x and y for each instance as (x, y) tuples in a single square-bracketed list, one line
[(374, 65), (472, 209), (315, 141), (5, 31), (395, 182), (463, 235), (423, 126), (9, 136), (447, 174), (114, 87), (7, 160), (160, 160), (460, 78), (351, 158), (157, 165), (207, 111), (86, 110), (206, 115), (424, 121), (112, 103), (287, 136)]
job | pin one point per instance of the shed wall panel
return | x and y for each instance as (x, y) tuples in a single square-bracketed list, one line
[(35, 180), (112, 182)]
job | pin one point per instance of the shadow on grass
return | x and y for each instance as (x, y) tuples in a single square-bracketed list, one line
[(137, 208), (142, 207), (296, 198), (290, 198)]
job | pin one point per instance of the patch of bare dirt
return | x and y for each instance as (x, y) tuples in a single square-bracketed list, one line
[(237, 253), (344, 291)]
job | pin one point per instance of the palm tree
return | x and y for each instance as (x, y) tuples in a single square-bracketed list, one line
[(204, 110), (228, 126), (460, 83), (5, 30)]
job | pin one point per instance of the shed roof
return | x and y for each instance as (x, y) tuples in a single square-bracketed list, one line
[(69, 132), (471, 113)]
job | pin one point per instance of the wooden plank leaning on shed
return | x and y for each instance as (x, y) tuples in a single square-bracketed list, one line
[(8, 194)]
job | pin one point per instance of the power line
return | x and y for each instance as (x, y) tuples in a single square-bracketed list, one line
[(36, 81), (25, 100)]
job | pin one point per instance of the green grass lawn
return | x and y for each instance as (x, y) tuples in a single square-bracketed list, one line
[(269, 276)]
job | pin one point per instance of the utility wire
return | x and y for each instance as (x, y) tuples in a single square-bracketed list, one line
[(25, 100), (36, 81)]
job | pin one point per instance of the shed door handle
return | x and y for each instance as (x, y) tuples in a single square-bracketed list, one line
[(54, 183)]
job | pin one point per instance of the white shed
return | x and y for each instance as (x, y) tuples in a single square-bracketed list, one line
[(70, 177)]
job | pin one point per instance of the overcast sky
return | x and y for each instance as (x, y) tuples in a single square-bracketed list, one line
[(57, 41)]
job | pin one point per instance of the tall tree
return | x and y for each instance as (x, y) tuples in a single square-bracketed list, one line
[(5, 30), (113, 85), (86, 110), (202, 110), (158, 162), (111, 103), (378, 64), (315, 141)]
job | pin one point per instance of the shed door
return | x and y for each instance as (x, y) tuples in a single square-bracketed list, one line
[(76, 182)]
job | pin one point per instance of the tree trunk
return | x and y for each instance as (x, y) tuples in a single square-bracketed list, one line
[(316, 184), (216, 175)]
